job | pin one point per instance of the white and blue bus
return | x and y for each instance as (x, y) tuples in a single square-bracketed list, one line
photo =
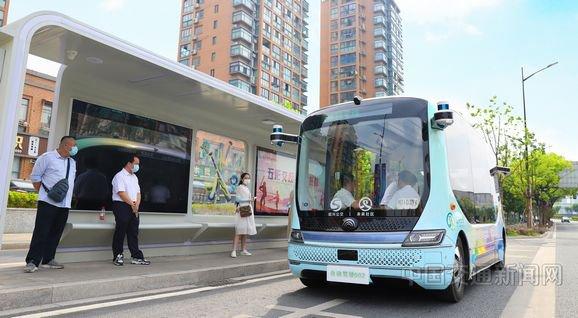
[(393, 187)]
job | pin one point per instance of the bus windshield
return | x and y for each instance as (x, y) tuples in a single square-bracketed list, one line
[(365, 162)]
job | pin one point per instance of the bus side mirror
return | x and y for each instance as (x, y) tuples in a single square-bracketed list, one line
[(499, 170), (443, 117), (278, 137)]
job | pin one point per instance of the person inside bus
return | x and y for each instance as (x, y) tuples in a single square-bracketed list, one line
[(345, 194), (401, 194)]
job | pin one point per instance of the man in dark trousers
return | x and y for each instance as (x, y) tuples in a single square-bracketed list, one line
[(126, 200), (51, 216)]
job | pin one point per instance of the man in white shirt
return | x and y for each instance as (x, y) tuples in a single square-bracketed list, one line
[(401, 194), (126, 200), (51, 216), (343, 198)]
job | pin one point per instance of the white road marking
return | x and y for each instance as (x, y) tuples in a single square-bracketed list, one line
[(147, 298), (315, 310), (540, 300), (8, 265)]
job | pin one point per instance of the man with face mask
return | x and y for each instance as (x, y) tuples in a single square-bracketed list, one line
[(50, 169), (126, 200)]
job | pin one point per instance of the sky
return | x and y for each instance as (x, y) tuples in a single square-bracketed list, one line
[(456, 50)]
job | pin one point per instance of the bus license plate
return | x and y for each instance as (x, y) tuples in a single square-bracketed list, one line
[(348, 274)]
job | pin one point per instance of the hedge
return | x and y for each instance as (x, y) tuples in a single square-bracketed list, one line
[(22, 199)]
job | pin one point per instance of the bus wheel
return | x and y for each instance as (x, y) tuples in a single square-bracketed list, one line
[(455, 291), (313, 283)]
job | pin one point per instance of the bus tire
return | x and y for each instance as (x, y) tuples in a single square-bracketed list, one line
[(313, 283), (455, 291)]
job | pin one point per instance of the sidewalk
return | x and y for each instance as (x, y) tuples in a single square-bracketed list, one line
[(16, 241), (95, 279)]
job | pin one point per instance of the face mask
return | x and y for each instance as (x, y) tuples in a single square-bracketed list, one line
[(135, 168), (73, 151), (247, 181)]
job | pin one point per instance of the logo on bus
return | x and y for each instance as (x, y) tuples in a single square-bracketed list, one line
[(336, 205), (365, 204)]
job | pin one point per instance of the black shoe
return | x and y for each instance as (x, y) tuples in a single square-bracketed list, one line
[(118, 260)]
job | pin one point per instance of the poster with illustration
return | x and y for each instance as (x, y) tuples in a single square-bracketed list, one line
[(274, 182)]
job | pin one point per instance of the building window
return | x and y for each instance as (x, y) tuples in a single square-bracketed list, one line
[(333, 86), (265, 93), (212, 72), (347, 84), (185, 51), (347, 59), (16, 168), (196, 62), (216, 8), (188, 6), (240, 67), (334, 60), (241, 50), (347, 34), (214, 40), (334, 99), (347, 71), (187, 20), (241, 84), (45, 118), (213, 56), (186, 35), (347, 96), (265, 78), (200, 14), (23, 114), (215, 23)]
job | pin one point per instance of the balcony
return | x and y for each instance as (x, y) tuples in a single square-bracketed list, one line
[(380, 83), (305, 5), (244, 3), (241, 69), (243, 17), (380, 57), (242, 51), (305, 45), (304, 58), (379, 45), (304, 86), (304, 71), (379, 7), (242, 34)]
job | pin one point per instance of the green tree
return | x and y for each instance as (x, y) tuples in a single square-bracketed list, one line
[(545, 169)]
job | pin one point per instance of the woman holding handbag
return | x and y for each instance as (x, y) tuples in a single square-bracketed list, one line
[(244, 217)]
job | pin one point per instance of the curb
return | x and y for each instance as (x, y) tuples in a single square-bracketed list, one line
[(18, 298), (543, 235), (15, 246)]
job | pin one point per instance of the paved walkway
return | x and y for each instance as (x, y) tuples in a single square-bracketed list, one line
[(16, 241), (102, 278)]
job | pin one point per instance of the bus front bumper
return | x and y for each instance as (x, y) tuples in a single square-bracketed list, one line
[(430, 268)]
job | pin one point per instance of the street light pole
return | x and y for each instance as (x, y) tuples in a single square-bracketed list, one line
[(530, 220)]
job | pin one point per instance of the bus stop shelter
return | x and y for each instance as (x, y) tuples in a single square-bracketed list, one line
[(99, 68)]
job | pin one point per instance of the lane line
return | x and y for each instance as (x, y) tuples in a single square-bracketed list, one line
[(147, 298), (312, 311)]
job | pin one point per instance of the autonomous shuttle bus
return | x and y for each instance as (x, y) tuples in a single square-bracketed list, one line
[(393, 187)]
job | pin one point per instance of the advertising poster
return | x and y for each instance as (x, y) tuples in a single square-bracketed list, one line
[(274, 182)]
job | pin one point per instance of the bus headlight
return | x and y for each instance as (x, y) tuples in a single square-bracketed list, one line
[(296, 236), (424, 238)]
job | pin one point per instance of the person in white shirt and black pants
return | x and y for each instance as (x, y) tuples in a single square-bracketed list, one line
[(126, 200), (54, 170)]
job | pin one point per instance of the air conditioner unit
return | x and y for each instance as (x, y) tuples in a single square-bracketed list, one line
[(197, 5), (195, 37), (194, 51), (363, 77), (193, 67), (196, 20), (362, 27), (23, 123)]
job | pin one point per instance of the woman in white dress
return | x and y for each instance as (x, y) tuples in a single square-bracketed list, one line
[(243, 225)]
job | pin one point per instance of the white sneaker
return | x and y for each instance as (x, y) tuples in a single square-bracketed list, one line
[(246, 253), (234, 254)]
